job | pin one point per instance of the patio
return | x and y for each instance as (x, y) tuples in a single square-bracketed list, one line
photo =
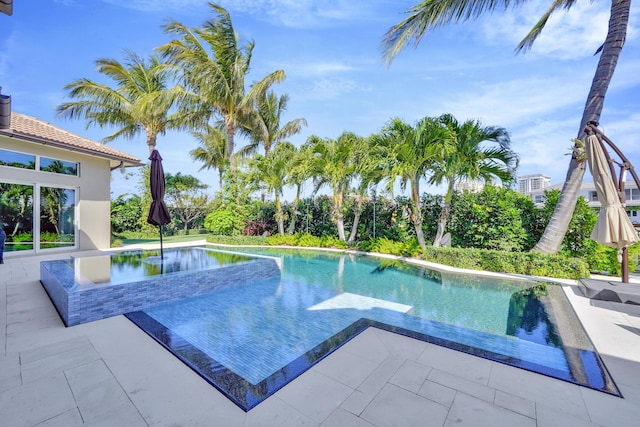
[(109, 372)]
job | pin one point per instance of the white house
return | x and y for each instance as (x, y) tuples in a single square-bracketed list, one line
[(54, 186), (588, 191)]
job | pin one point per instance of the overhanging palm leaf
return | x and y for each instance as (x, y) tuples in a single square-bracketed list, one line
[(138, 101)]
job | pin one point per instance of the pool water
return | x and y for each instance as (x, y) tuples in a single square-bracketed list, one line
[(252, 339), (131, 266)]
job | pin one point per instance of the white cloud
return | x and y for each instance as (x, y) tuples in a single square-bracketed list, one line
[(330, 88), (316, 68), (567, 35), (305, 13), (517, 101)]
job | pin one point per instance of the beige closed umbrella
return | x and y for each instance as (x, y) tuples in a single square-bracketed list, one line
[(613, 227)]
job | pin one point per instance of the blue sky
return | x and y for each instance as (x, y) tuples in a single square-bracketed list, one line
[(336, 78)]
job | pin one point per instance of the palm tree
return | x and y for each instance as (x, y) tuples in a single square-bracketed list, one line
[(471, 160), (139, 100), (212, 150), (334, 163), (265, 127), (272, 169), (411, 153), (299, 173), (430, 14), (214, 67), (369, 170)]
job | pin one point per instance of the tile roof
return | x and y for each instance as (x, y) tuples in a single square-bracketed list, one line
[(32, 129)]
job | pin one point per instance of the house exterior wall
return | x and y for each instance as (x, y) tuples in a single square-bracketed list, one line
[(92, 186)]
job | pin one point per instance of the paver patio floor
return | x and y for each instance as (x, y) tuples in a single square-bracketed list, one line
[(110, 373)]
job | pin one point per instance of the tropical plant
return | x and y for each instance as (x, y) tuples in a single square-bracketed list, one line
[(139, 101), (427, 15), (335, 164), (411, 153), (272, 170), (186, 198), (211, 150), (299, 173), (472, 159), (265, 127), (213, 65)]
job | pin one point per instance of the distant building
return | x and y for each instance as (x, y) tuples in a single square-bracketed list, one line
[(588, 191), (471, 185), (528, 184)]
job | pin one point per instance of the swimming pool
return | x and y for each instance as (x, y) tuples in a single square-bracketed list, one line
[(252, 339)]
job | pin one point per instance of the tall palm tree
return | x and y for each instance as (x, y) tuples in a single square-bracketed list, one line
[(211, 150), (411, 154), (265, 127), (140, 99), (299, 173), (430, 14), (472, 159), (272, 169), (334, 163), (214, 67)]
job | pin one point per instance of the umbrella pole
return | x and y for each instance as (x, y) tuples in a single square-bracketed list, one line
[(625, 266), (161, 251)]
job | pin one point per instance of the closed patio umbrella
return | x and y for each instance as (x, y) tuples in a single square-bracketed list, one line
[(158, 212), (613, 227)]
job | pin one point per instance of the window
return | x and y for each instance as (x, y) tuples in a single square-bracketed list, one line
[(17, 160), (19, 207), (58, 166), (593, 196), (57, 207), (16, 215)]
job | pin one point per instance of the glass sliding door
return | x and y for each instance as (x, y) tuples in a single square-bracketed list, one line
[(57, 217), (16, 216)]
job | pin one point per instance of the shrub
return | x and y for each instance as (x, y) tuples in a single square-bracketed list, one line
[(237, 240), (224, 221), (528, 263)]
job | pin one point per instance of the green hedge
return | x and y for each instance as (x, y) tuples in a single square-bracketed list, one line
[(529, 263), (237, 240)]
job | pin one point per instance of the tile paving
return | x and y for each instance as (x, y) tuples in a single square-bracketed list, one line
[(110, 373)]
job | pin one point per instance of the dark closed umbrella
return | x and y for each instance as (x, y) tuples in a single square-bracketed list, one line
[(158, 212)]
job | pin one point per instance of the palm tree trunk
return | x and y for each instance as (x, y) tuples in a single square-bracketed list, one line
[(230, 129), (416, 213), (444, 215), (339, 219), (557, 228), (279, 214), (356, 221), (294, 211), (151, 141)]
